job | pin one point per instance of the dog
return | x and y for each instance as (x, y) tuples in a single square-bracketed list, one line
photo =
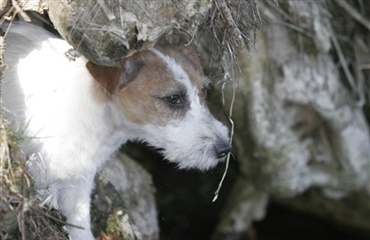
[(77, 114)]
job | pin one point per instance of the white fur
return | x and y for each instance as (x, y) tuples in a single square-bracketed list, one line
[(180, 139), (73, 134)]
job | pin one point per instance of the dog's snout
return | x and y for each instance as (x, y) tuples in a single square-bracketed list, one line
[(222, 149)]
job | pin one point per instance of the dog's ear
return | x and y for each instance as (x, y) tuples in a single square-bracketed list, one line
[(130, 69), (107, 77), (114, 78), (192, 57)]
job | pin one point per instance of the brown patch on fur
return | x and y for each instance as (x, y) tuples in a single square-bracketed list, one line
[(106, 81), (141, 100), (143, 82), (107, 77), (110, 79), (189, 60)]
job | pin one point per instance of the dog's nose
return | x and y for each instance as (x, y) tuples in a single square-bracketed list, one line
[(222, 149)]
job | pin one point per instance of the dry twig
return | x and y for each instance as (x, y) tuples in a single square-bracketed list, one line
[(353, 13), (18, 10), (345, 67)]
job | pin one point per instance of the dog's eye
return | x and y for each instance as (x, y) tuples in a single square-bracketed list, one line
[(174, 99)]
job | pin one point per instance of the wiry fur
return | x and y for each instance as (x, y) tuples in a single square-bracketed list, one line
[(78, 114)]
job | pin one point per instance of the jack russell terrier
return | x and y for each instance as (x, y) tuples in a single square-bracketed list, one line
[(77, 114)]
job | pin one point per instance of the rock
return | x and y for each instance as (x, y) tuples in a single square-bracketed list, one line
[(298, 126), (107, 31), (123, 203)]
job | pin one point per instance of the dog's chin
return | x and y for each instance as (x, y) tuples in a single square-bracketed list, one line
[(199, 167), (200, 164), (201, 157)]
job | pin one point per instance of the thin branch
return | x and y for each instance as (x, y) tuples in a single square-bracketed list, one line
[(228, 17), (23, 225), (365, 66), (354, 13), (54, 218), (19, 10), (230, 117), (344, 64)]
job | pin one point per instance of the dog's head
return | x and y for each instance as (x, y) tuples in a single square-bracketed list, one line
[(161, 94)]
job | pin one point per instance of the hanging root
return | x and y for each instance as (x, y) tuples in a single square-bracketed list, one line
[(238, 19)]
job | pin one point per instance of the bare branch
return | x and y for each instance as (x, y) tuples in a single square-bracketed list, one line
[(354, 13), (19, 10)]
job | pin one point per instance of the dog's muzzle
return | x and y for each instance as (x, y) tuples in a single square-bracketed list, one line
[(222, 148)]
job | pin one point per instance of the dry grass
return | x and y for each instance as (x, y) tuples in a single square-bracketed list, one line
[(21, 214)]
